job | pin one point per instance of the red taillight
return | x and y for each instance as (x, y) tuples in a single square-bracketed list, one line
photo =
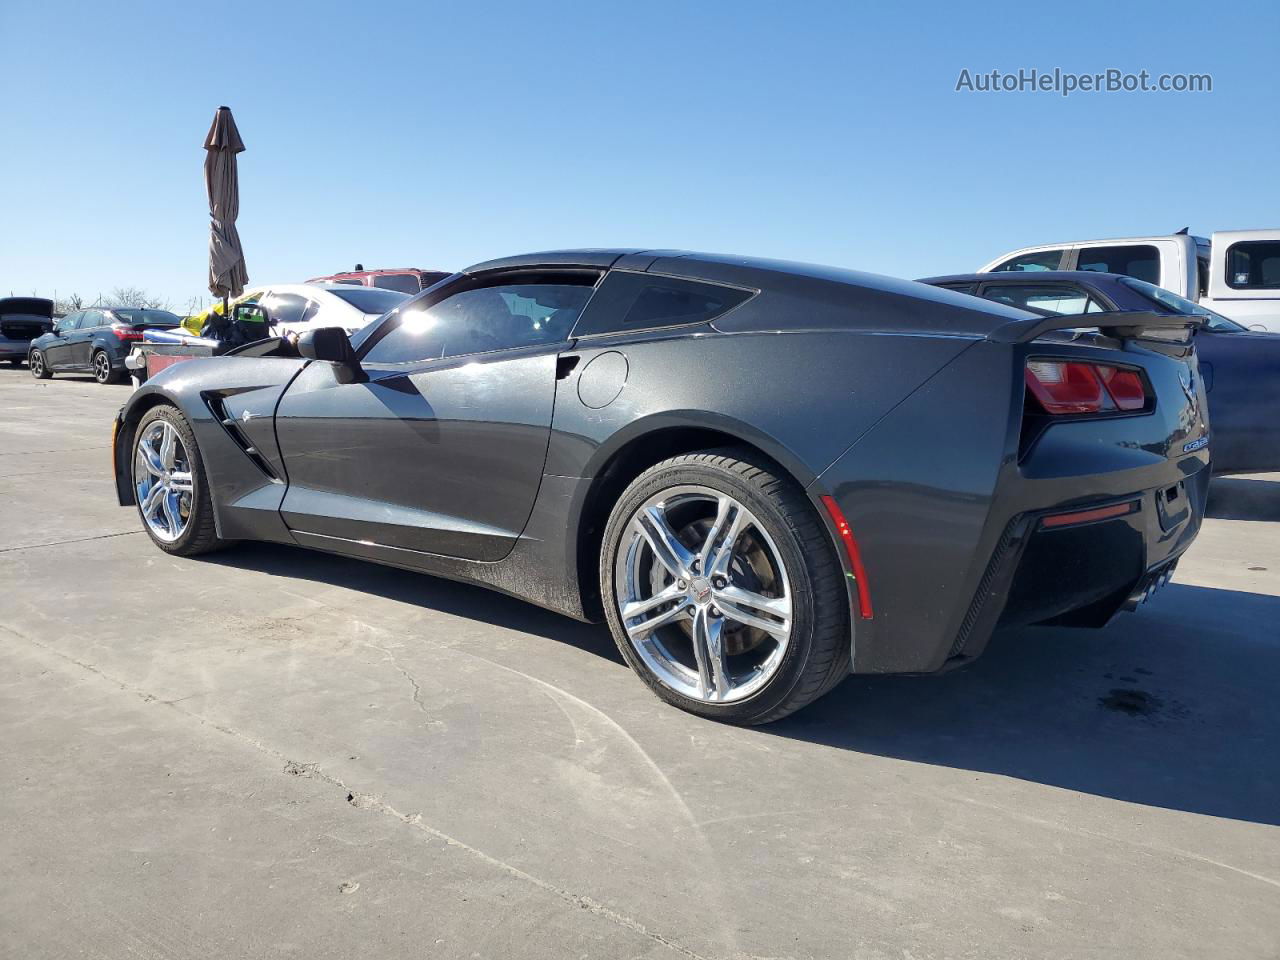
[(125, 333), (855, 557), (1068, 386), (1125, 387)]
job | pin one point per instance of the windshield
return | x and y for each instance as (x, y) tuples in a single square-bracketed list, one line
[(1172, 303), (156, 318), (372, 299)]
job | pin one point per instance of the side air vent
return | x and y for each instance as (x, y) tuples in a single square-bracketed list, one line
[(229, 423)]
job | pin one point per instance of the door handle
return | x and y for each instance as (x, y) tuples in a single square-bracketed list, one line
[(565, 364)]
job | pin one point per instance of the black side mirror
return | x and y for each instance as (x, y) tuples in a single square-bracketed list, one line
[(332, 345)]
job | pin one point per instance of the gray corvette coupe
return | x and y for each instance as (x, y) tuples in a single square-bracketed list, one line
[(762, 475)]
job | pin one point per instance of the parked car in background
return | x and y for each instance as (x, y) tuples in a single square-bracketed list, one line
[(1235, 273), (280, 310), (297, 307), (22, 319), (762, 474), (404, 279), (94, 341), (1240, 367)]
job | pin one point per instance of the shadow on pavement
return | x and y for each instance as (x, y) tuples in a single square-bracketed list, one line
[(1174, 706), (420, 589), (1243, 498)]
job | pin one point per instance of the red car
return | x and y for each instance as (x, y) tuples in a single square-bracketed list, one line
[(404, 279)]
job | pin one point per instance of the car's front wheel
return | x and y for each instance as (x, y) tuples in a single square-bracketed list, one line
[(36, 364), (170, 486), (722, 588)]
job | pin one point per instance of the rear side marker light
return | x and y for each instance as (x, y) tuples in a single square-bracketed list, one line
[(855, 557), (1089, 516), (1066, 387)]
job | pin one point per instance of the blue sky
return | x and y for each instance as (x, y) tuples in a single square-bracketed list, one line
[(436, 135)]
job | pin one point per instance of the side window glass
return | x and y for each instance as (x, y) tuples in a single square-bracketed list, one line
[(1032, 262), (1254, 265), (641, 301), (484, 319), (660, 306), (90, 318), (1140, 261), (70, 322)]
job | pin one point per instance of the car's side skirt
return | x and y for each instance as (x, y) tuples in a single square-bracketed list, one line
[(518, 575)]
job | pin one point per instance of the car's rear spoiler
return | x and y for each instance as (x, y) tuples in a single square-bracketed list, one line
[(1124, 325)]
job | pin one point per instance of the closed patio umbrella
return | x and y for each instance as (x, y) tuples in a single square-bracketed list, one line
[(227, 274)]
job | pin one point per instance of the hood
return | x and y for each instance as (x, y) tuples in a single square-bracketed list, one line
[(30, 306)]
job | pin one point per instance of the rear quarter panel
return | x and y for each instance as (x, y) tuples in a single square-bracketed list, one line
[(801, 397)]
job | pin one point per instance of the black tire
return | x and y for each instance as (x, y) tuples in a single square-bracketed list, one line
[(36, 364), (200, 535), (817, 656), (103, 372)]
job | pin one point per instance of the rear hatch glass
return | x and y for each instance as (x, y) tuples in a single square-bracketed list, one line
[(139, 317)]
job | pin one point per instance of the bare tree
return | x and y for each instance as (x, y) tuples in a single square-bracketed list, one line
[(134, 297), (68, 304)]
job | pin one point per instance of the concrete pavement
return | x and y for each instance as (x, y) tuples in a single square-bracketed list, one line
[(273, 753)]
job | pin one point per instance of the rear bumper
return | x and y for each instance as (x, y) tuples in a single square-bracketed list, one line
[(11, 349), (1081, 574)]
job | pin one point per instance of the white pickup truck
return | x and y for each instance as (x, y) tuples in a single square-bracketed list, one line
[(1235, 272)]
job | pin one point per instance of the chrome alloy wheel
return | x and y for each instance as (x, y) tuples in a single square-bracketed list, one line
[(36, 363), (162, 480), (101, 367), (703, 594)]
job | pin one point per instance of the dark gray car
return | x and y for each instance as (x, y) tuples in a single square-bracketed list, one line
[(94, 341), (22, 319), (763, 475)]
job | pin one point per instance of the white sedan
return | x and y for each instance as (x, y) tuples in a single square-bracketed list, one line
[(295, 307)]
